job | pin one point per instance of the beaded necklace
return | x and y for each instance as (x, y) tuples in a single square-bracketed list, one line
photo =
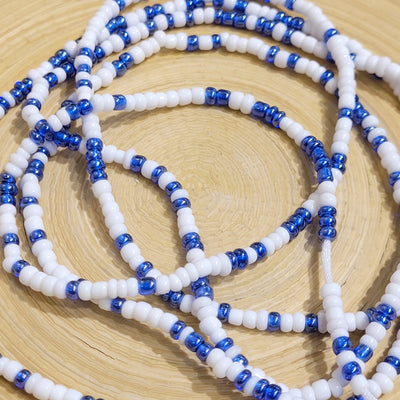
[(224, 357)]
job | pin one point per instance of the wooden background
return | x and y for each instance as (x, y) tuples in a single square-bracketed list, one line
[(244, 180)]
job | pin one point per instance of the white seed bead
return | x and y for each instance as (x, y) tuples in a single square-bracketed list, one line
[(221, 367), (43, 388), (286, 322), (321, 389), (376, 330), (209, 325), (299, 321), (214, 356), (250, 319), (236, 317), (234, 370), (262, 320), (384, 382)]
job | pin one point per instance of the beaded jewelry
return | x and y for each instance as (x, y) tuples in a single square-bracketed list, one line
[(109, 32)]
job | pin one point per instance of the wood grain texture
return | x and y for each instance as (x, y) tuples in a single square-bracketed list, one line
[(244, 180)]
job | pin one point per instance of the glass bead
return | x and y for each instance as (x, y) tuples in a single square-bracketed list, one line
[(326, 77), (239, 21), (180, 203), (189, 237), (267, 31), (350, 369), (137, 163), (193, 341), (98, 175), (363, 352), (122, 240), (71, 290), (240, 6), (394, 362), (175, 299), (44, 150), (171, 187), (18, 266), (61, 138), (99, 53), (341, 343), (259, 109), (21, 378), (324, 174), (74, 142), (121, 4), (326, 211), (277, 118), (223, 312), (189, 19), (177, 329), (345, 113), (84, 106), (200, 283), (4, 104), (33, 102), (311, 324), (260, 24), (291, 228), (359, 115), (159, 9), (6, 178), (225, 344), (203, 351), (327, 221), (80, 83), (95, 165), (93, 155), (286, 38), (260, 389), (387, 310), (367, 131), (376, 142), (242, 258), (216, 40), (36, 137), (292, 60), (260, 249), (272, 392), (73, 111), (210, 95), (192, 43), (241, 359), (69, 69), (298, 221), (270, 113), (204, 291), (227, 18), (84, 68), (272, 51), (289, 4), (327, 233), (127, 59), (147, 286), (222, 97), (119, 101), (232, 257), (52, 79), (7, 199), (87, 398), (157, 172), (143, 269), (8, 188), (274, 321), (116, 305), (37, 235), (329, 33), (170, 21), (18, 95), (242, 378)]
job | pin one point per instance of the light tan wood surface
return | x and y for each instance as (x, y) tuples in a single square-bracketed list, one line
[(244, 179)]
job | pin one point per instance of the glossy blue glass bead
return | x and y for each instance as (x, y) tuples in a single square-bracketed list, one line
[(259, 109), (272, 52), (341, 343), (9, 238), (36, 137), (377, 141), (22, 87), (44, 150), (36, 164), (143, 269), (326, 77), (43, 128), (189, 19), (222, 97), (36, 235), (157, 172), (119, 102), (223, 312), (99, 53), (127, 59), (210, 96), (18, 266), (370, 313), (28, 83), (159, 9), (116, 305), (120, 68), (176, 298), (350, 369), (327, 221), (286, 38), (121, 4), (382, 319), (124, 35), (137, 163), (291, 228), (394, 177), (171, 187), (123, 240), (85, 51), (74, 142), (359, 115), (367, 131), (356, 397), (83, 82), (311, 324), (33, 102), (4, 104), (187, 238), (240, 6), (387, 310), (194, 244), (5, 177), (313, 146), (272, 392), (21, 378), (95, 165), (35, 171), (8, 188), (345, 113), (318, 153), (338, 161), (204, 291), (268, 28), (180, 203), (329, 33), (170, 21), (98, 175), (277, 118), (239, 21), (242, 258), (192, 43), (193, 341), (7, 199), (260, 249), (394, 362), (297, 220), (69, 69), (326, 211), (274, 321), (363, 352), (259, 389), (232, 258), (260, 24), (73, 111), (297, 23), (87, 398), (71, 290), (150, 14), (306, 142), (241, 359), (241, 379), (93, 155), (327, 233), (176, 329), (203, 351), (279, 16), (270, 113), (147, 286), (165, 297), (292, 60), (218, 3), (289, 4), (227, 18), (52, 79), (18, 95), (84, 106), (324, 174), (201, 282), (27, 201), (84, 68), (225, 344), (216, 40), (61, 138)]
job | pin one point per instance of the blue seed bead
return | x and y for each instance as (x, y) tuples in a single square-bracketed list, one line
[(157, 172), (345, 113), (222, 97), (298, 221), (203, 351), (8, 188), (143, 269), (232, 258), (242, 378), (21, 378), (326, 77), (327, 221), (7, 178), (36, 137), (297, 23), (313, 146), (324, 174), (121, 4), (260, 249), (137, 163), (127, 59), (22, 87), (227, 18), (28, 83), (210, 96), (286, 38), (193, 341), (370, 313), (359, 115), (4, 104), (123, 240), (241, 6), (268, 28), (99, 53), (33, 102), (306, 142), (200, 283), (176, 329), (192, 43), (149, 12), (259, 109), (71, 290), (271, 53), (199, 4), (363, 352), (367, 131), (341, 343), (69, 69), (61, 138), (377, 141), (188, 237), (382, 319), (88, 398), (180, 203), (194, 244), (44, 150), (74, 142), (147, 286), (274, 321), (242, 258), (277, 118), (351, 369), (216, 41), (225, 344), (311, 324), (159, 9), (176, 298), (52, 79), (279, 16), (119, 102), (329, 33), (93, 155), (241, 359), (260, 24), (239, 21), (289, 4), (327, 211), (387, 310), (83, 82), (272, 392), (9, 238), (327, 233), (189, 19), (84, 68), (292, 60), (291, 228), (116, 305), (223, 312), (7, 199), (73, 112), (98, 175), (84, 106), (95, 165), (170, 21), (18, 266), (18, 95), (260, 389), (394, 177), (204, 291), (270, 113), (218, 3), (394, 362), (124, 35), (37, 235), (171, 187)]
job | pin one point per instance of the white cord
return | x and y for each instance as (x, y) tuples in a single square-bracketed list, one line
[(326, 260)]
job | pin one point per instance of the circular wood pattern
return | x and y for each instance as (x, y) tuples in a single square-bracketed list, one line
[(244, 179)]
